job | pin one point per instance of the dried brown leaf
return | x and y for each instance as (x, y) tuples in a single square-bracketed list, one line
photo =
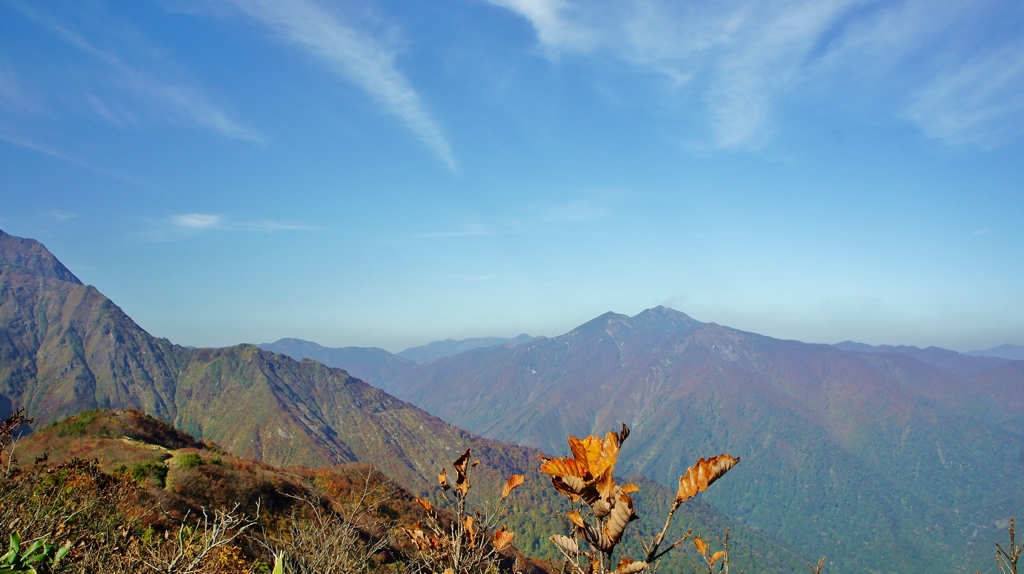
[(460, 463), (702, 547), (502, 538), (565, 544), (627, 566), (570, 486), (595, 454), (461, 482), (576, 518), (605, 484), (579, 452), (699, 476), (425, 504), (621, 514), (467, 522), (442, 479), (598, 538), (630, 488), (563, 467), (602, 507), (417, 536), (717, 555), (513, 481)]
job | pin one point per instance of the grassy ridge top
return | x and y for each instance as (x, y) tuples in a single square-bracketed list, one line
[(181, 475)]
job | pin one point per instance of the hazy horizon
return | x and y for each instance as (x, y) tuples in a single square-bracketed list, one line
[(390, 174)]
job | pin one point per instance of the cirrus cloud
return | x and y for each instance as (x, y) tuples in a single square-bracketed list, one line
[(359, 57), (929, 62)]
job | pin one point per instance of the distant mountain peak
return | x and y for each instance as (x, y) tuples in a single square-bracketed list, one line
[(962, 364), (32, 257), (662, 312), (1011, 352), (449, 347)]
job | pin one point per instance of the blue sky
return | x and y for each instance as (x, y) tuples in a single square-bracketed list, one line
[(387, 173)]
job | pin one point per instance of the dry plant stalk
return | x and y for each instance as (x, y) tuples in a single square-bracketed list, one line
[(586, 477), (328, 540), (721, 557), (469, 542), (10, 432), (191, 545), (1007, 560)]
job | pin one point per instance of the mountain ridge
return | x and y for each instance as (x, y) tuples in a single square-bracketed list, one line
[(952, 361), (903, 441), (1007, 351), (66, 348), (448, 347)]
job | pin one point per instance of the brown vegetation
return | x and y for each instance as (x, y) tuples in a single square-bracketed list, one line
[(587, 477), (209, 512)]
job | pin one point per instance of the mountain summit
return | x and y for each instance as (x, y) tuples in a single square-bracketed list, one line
[(845, 450), (30, 256)]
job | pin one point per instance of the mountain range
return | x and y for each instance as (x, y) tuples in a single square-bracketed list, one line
[(375, 365), (65, 348), (887, 459), (1012, 352), (448, 347), (884, 459)]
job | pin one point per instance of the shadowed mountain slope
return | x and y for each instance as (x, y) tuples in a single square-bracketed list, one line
[(847, 451)]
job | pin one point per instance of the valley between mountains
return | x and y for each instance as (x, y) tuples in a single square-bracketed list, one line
[(887, 459)]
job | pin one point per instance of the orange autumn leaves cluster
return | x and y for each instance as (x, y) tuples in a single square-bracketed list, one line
[(587, 477)]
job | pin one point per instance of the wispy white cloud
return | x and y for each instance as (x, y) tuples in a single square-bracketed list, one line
[(13, 96), (548, 18), (353, 54), (577, 210), (196, 220), (738, 56), (979, 102), (126, 93), (62, 215), (268, 225), (55, 153), (470, 230), (209, 221), (531, 218), (982, 232), (735, 65)]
